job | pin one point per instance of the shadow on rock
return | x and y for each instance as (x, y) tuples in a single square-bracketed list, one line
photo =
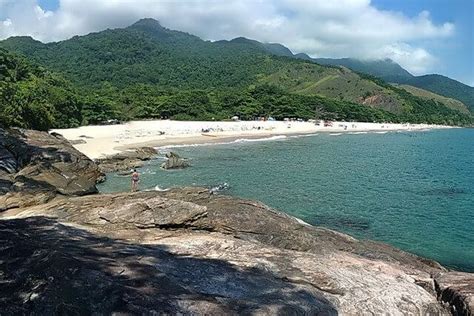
[(36, 166), (50, 268)]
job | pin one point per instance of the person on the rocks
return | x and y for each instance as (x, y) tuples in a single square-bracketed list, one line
[(135, 180)]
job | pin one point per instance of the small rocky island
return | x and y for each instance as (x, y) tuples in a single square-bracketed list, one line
[(66, 249)]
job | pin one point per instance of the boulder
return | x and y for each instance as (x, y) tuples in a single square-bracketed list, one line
[(174, 161), (77, 141), (125, 161), (36, 166)]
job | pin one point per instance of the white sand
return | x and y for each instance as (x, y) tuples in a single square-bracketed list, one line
[(110, 139)]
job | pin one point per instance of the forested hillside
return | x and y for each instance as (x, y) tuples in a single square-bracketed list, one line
[(32, 97), (392, 72), (148, 71), (428, 95), (444, 86), (385, 69)]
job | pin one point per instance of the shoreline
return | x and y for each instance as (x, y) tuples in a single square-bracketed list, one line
[(104, 140), (140, 230)]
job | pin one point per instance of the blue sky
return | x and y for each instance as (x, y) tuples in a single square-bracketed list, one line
[(50, 5), (424, 36), (456, 54)]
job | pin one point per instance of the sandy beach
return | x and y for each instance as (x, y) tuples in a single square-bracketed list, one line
[(100, 141)]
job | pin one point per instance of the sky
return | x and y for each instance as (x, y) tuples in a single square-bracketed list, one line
[(423, 36)]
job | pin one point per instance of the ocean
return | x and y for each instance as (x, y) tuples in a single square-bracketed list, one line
[(412, 190)]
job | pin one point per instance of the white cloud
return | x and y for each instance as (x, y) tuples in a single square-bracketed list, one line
[(321, 28), (42, 14), (418, 60)]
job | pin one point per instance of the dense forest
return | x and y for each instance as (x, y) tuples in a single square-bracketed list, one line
[(148, 71), (32, 97)]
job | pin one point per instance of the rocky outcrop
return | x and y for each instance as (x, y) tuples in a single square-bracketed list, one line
[(84, 274), (188, 251), (125, 161), (386, 102), (36, 166), (174, 161), (456, 290)]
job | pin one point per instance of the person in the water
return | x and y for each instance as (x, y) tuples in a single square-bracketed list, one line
[(135, 180)]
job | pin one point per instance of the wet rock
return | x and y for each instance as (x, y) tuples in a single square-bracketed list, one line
[(174, 161), (35, 166)]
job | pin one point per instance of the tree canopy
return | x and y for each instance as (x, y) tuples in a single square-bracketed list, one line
[(148, 71)]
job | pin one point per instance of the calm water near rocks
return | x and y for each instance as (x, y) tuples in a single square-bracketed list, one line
[(413, 190)]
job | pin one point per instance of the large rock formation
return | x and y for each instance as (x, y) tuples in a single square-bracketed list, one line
[(36, 166), (189, 251), (125, 161)]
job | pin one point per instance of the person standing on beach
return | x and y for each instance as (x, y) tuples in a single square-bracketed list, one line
[(135, 180)]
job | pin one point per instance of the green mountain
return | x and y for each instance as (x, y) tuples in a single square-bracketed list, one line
[(444, 86), (303, 56), (390, 71), (146, 70), (428, 95), (278, 49), (385, 68)]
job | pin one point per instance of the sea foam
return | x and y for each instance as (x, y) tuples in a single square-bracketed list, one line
[(239, 140)]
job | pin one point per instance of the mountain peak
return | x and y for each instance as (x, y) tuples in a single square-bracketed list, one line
[(23, 38), (153, 28), (243, 40), (148, 25), (147, 22), (278, 49)]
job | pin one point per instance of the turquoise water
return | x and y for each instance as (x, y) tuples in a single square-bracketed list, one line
[(413, 190)]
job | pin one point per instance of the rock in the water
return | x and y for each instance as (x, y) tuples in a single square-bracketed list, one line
[(174, 161), (77, 141), (125, 161), (35, 166), (191, 252)]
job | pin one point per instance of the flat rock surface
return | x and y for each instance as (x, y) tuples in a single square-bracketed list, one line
[(188, 251)]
